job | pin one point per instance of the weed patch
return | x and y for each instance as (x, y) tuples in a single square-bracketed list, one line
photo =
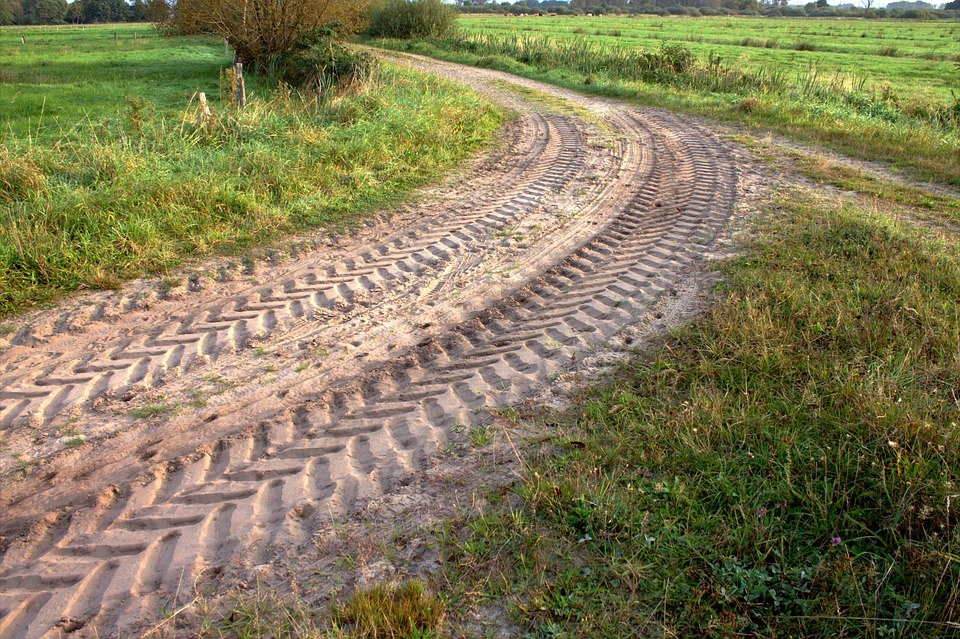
[(405, 611)]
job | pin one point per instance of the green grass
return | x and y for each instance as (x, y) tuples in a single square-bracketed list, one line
[(837, 103), (926, 52), (133, 182), (70, 76), (910, 200), (406, 611), (153, 409), (785, 467)]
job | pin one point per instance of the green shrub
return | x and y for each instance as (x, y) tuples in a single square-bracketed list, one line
[(804, 45), (318, 61), (412, 19)]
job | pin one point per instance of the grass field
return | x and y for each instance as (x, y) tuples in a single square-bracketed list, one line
[(107, 171), (916, 59), (64, 76), (898, 109)]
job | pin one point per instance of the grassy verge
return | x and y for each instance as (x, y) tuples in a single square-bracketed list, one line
[(785, 467), (917, 202), (912, 58), (120, 197), (924, 140)]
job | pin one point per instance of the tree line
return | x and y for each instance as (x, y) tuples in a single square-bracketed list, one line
[(814, 9), (28, 12), (80, 11)]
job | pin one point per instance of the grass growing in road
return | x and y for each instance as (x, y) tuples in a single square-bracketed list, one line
[(383, 611), (111, 197), (786, 466)]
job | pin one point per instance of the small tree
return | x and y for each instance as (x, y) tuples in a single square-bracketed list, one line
[(261, 30), (158, 11), (6, 14), (74, 12)]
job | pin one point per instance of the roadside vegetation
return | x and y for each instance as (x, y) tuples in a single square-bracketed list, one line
[(915, 59), (853, 110), (398, 611), (110, 168), (786, 466)]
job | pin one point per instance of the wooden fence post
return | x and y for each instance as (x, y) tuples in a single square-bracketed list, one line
[(241, 97), (204, 109)]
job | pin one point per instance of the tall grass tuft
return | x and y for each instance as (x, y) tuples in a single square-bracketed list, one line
[(406, 611), (20, 178)]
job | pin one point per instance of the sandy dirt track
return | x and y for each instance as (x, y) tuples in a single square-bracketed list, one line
[(224, 418)]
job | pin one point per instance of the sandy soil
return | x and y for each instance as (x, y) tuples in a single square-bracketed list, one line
[(168, 435)]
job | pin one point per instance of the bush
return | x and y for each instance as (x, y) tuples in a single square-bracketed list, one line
[(412, 19), (318, 61), (261, 30)]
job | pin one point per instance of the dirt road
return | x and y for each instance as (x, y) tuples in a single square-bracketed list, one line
[(170, 431)]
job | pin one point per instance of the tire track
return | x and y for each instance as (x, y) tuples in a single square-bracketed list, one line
[(402, 262), (208, 510)]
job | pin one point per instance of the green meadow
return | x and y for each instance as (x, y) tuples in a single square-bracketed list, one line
[(69, 76), (916, 59)]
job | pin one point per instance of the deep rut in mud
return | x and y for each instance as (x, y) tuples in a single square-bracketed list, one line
[(477, 297)]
